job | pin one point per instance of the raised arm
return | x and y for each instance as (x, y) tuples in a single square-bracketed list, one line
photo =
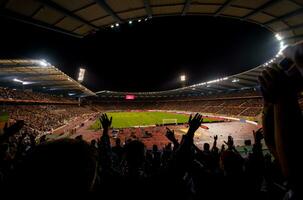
[(215, 143), (106, 123), (288, 121), (11, 130), (170, 134)]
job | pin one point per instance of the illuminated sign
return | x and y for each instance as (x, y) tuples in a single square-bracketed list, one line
[(130, 97)]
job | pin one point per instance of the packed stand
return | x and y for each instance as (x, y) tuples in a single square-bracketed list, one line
[(178, 171), (12, 94), (45, 117), (250, 107)]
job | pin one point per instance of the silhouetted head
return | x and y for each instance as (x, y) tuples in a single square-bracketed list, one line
[(168, 146), (65, 165), (43, 139), (206, 147), (118, 142), (155, 148), (93, 142), (135, 153), (79, 137)]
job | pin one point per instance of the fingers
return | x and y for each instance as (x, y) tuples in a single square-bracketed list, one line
[(169, 130), (190, 118)]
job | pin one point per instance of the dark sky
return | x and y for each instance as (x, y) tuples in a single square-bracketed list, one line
[(146, 56)]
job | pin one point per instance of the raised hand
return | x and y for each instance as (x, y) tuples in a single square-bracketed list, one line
[(194, 123), (258, 135), (230, 142), (170, 134), (11, 130), (216, 137), (106, 123), (275, 84)]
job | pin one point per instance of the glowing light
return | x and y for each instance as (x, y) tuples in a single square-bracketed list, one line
[(112, 26), (117, 25), (130, 22), (17, 80), (23, 82), (278, 36), (81, 74), (130, 97), (183, 78), (43, 63), (139, 20)]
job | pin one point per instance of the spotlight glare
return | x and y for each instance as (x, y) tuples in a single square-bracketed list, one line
[(81, 75), (22, 82), (112, 26), (130, 22), (17, 80), (183, 78), (278, 36), (117, 24), (235, 80), (139, 20), (43, 63)]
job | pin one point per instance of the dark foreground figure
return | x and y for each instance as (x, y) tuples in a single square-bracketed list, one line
[(178, 171)]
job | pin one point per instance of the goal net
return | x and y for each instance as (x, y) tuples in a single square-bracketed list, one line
[(169, 121)]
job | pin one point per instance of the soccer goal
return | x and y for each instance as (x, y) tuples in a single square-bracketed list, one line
[(169, 121)]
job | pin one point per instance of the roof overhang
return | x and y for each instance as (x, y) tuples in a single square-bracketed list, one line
[(39, 76), (82, 17)]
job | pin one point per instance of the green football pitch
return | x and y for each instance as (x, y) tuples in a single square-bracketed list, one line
[(131, 119)]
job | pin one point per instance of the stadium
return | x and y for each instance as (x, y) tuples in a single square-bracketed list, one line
[(118, 123)]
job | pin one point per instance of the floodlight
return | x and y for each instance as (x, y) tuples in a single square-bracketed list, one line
[(278, 36), (81, 74), (183, 78), (139, 20), (43, 63), (116, 24), (22, 82), (17, 80), (130, 22), (112, 26)]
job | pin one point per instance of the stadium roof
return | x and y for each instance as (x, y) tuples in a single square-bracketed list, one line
[(82, 17), (39, 76), (241, 81)]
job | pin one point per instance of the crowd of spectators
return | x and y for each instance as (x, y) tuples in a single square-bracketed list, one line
[(178, 171), (247, 106), (127, 170), (45, 118), (13, 94)]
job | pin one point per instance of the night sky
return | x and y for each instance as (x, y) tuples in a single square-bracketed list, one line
[(146, 56)]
